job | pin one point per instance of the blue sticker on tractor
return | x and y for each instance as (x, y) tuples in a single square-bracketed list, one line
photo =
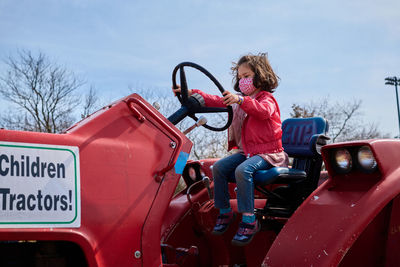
[(181, 162)]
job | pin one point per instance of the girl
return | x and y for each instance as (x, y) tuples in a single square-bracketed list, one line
[(255, 133)]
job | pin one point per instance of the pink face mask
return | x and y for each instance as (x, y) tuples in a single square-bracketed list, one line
[(246, 86)]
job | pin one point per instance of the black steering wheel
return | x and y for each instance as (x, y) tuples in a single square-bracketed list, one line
[(190, 105)]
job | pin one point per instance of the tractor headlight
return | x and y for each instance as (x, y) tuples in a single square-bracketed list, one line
[(343, 161), (366, 159)]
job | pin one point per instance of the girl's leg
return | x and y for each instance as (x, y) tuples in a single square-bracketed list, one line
[(245, 185), (245, 196), (222, 171)]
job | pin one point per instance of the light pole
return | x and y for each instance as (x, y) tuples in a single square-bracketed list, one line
[(395, 81)]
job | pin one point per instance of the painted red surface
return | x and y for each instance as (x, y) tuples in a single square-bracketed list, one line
[(122, 202), (325, 227)]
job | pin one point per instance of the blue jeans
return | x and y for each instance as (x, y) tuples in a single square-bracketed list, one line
[(237, 167)]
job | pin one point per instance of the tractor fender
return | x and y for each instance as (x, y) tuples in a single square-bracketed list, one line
[(327, 224)]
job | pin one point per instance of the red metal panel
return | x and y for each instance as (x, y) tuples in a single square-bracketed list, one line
[(119, 154), (369, 248), (328, 223), (393, 236)]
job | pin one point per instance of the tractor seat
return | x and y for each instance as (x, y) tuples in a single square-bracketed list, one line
[(302, 139), (278, 175)]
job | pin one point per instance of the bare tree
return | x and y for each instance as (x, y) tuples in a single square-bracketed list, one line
[(16, 121), (345, 119), (42, 91), (90, 104), (209, 144)]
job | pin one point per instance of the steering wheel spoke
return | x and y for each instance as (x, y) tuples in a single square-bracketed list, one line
[(184, 86)]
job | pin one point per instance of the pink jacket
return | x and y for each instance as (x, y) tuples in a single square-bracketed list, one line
[(261, 130)]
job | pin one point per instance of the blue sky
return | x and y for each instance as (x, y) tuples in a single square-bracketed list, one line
[(340, 49)]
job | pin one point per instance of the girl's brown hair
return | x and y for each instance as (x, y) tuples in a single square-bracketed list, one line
[(264, 77)]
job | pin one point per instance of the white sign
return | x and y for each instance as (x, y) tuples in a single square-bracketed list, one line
[(39, 186)]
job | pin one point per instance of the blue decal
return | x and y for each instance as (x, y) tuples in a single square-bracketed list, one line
[(181, 162)]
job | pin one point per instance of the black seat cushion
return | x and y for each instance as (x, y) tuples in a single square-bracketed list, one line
[(274, 175)]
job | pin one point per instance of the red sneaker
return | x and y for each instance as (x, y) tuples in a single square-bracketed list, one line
[(223, 222), (246, 233)]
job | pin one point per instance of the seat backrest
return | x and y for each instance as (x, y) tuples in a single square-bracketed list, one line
[(299, 135), (300, 139)]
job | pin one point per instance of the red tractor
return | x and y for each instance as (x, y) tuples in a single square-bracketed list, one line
[(103, 194)]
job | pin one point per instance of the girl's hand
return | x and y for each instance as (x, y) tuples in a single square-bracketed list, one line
[(229, 98), (178, 90)]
